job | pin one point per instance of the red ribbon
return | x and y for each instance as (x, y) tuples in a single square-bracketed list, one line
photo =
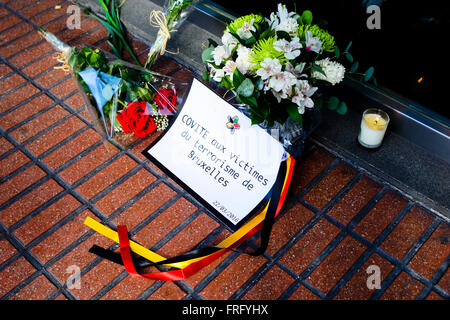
[(181, 274)]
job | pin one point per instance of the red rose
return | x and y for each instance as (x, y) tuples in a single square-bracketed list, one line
[(166, 99), (134, 119)]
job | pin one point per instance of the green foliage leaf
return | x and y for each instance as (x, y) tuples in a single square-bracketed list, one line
[(226, 83), (246, 88), (250, 41), (292, 110), (283, 35), (207, 55), (307, 17), (337, 52), (369, 74), (259, 84), (212, 43), (206, 76), (348, 46), (318, 102), (238, 78), (333, 103), (269, 32), (250, 101), (349, 57), (354, 66), (256, 117), (342, 108), (318, 68), (374, 80), (144, 94)]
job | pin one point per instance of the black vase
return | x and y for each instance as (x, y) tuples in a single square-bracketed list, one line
[(291, 134)]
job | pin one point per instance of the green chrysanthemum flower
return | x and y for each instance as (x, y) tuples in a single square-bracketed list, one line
[(328, 43), (264, 49), (239, 22)]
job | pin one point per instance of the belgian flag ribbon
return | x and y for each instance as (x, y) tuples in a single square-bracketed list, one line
[(187, 264)]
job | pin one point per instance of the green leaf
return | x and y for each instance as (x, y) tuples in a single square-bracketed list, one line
[(318, 102), (354, 66), (259, 84), (144, 94), (348, 46), (374, 80), (73, 59), (369, 74), (307, 17), (207, 55), (238, 78), (348, 56), (250, 101), (292, 110), (212, 43), (250, 41), (337, 52), (318, 68), (342, 108), (333, 103), (206, 76), (226, 83), (256, 117), (283, 35), (246, 88)]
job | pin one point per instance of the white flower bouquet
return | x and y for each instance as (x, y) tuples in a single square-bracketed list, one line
[(275, 66)]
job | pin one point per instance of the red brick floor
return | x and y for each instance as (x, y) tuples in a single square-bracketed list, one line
[(338, 224)]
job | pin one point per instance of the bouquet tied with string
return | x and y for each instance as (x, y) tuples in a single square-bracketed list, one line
[(168, 21), (124, 101)]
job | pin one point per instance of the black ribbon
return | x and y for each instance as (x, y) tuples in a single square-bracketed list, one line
[(198, 253)]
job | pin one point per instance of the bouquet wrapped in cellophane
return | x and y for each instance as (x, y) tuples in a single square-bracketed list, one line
[(175, 13), (124, 101)]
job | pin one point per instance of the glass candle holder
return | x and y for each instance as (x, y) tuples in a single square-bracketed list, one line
[(374, 123)]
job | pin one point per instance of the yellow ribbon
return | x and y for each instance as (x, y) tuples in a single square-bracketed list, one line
[(158, 20), (154, 257)]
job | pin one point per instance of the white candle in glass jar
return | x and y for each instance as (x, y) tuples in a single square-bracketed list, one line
[(374, 123)]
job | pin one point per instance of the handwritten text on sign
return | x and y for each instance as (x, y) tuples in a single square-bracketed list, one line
[(232, 169)]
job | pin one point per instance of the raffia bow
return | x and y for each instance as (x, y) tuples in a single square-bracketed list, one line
[(158, 20), (62, 57)]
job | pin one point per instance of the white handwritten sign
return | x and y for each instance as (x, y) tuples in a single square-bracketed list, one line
[(212, 149)]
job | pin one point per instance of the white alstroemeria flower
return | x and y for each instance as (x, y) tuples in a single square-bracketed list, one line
[(334, 71), (297, 71), (312, 43), (303, 92), (220, 53), (244, 31), (269, 68), (228, 40), (284, 20), (242, 60), (229, 68), (216, 74), (291, 49), (282, 83)]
